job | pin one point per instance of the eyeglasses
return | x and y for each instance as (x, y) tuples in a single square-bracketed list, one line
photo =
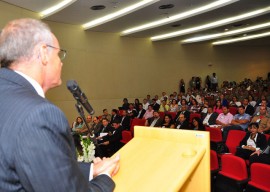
[(61, 54)]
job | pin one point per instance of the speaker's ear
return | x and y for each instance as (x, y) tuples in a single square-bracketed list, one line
[(43, 54)]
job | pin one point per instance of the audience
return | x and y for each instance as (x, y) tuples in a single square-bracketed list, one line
[(141, 111)]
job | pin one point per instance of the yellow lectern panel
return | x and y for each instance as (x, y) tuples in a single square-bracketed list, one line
[(164, 160)]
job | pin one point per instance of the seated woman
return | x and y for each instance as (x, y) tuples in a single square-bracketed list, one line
[(261, 156), (197, 124), (168, 122), (235, 102), (77, 125), (218, 107), (174, 106), (194, 108), (253, 141)]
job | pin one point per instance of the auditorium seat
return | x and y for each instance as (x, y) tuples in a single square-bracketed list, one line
[(233, 176), (126, 137), (214, 167), (233, 110), (233, 140), (161, 114), (215, 137), (259, 178), (192, 115), (173, 114), (136, 121)]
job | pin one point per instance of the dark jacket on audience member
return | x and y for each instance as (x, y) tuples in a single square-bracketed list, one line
[(114, 139), (141, 113), (184, 125), (249, 110), (212, 119), (125, 123), (186, 114), (157, 124)]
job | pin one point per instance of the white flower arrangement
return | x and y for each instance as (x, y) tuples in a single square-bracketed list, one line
[(88, 149)]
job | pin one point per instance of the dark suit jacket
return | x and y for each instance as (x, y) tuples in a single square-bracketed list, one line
[(212, 119), (36, 148), (125, 123), (250, 110), (157, 124), (114, 139), (184, 125), (186, 114), (156, 106), (141, 114)]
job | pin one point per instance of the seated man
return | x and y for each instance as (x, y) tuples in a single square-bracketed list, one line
[(210, 117), (184, 110), (97, 125), (111, 143), (106, 115), (263, 119), (154, 121), (182, 122), (114, 116), (141, 112), (225, 118), (249, 109), (240, 122), (125, 120), (131, 112)]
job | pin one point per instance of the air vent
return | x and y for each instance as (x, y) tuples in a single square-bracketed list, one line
[(176, 25), (97, 7), (168, 6)]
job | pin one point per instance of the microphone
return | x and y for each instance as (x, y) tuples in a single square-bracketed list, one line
[(74, 88)]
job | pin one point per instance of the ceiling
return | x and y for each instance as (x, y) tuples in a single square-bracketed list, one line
[(79, 12)]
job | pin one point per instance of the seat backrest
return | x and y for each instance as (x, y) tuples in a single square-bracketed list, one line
[(233, 167), (161, 114), (259, 175), (267, 137), (126, 136), (213, 160), (192, 115), (233, 140), (173, 114), (233, 110), (136, 121), (215, 134)]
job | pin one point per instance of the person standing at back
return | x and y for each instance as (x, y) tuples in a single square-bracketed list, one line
[(37, 151)]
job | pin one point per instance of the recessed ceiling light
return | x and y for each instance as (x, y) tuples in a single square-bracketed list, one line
[(213, 24), (228, 33), (242, 38), (180, 16), (56, 8), (97, 7), (118, 14), (168, 6)]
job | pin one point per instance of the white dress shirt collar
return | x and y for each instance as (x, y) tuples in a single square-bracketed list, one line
[(34, 83)]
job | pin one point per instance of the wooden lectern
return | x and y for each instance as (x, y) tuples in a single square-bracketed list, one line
[(164, 160)]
